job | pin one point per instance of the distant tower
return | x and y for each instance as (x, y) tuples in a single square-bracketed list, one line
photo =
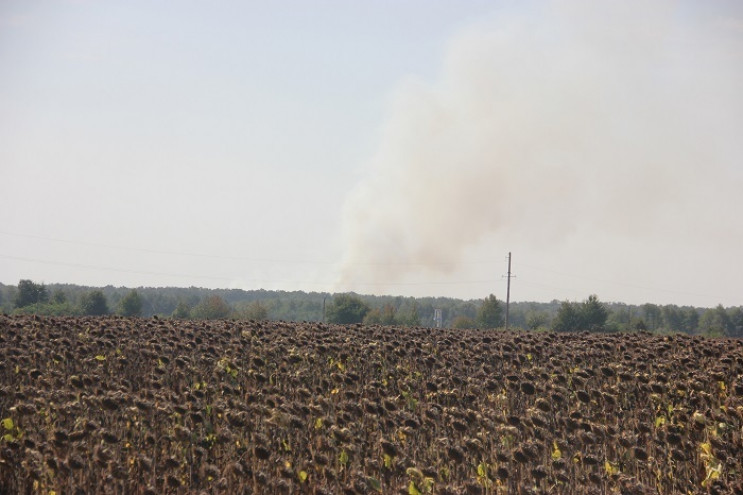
[(437, 317)]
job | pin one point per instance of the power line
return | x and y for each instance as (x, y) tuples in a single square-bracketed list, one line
[(106, 268), (241, 258), (526, 281), (162, 252), (272, 281), (607, 281)]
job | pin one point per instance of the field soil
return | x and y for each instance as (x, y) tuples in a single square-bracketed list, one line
[(149, 406)]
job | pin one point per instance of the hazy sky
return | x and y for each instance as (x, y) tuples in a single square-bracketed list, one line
[(389, 147)]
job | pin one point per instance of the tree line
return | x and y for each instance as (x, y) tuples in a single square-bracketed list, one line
[(29, 297)]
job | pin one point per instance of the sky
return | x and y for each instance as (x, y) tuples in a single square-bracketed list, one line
[(387, 147)]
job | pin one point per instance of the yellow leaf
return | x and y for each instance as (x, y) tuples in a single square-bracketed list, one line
[(611, 468), (8, 423), (302, 476), (713, 473), (427, 485), (660, 421), (412, 489), (706, 449), (334, 391), (387, 461), (100, 357), (318, 423), (556, 453)]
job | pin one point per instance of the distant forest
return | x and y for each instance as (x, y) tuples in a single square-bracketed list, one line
[(29, 297)]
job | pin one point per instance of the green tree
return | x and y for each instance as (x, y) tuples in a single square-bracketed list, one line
[(388, 315), (736, 322), (384, 316), (93, 303), (490, 313), (536, 319), (30, 293), (346, 309), (461, 322), (182, 311), (212, 308), (716, 322), (255, 310), (48, 309), (652, 315), (673, 318), (414, 320), (589, 315), (690, 320), (568, 318), (593, 314), (59, 297), (131, 304)]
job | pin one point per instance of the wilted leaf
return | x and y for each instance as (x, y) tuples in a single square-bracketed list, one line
[(401, 436), (611, 468), (713, 472), (374, 484), (414, 473), (706, 449), (699, 418), (556, 453)]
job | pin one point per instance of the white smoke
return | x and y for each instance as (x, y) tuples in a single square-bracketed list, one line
[(593, 118)]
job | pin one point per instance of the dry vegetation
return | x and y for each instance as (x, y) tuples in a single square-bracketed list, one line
[(152, 406)]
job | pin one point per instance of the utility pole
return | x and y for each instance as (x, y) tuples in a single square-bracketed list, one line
[(508, 288)]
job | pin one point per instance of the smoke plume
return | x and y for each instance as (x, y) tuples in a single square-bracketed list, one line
[(619, 119)]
